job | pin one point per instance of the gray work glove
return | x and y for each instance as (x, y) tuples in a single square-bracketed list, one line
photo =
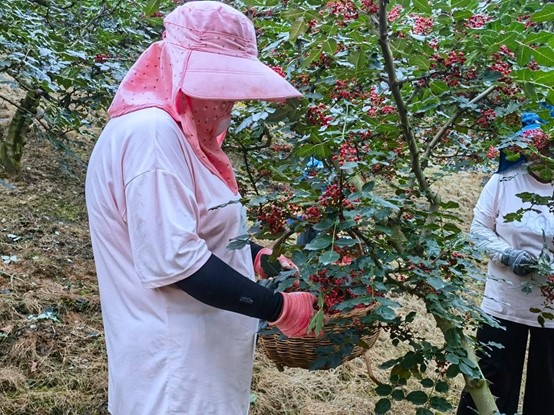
[(520, 262)]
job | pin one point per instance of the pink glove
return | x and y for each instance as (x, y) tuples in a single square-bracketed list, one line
[(284, 262), (298, 310)]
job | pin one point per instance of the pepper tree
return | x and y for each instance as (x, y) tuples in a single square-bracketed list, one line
[(397, 94)]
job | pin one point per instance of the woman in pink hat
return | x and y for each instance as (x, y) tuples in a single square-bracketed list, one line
[(181, 310)]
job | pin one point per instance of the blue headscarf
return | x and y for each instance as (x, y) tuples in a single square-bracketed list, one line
[(529, 121)]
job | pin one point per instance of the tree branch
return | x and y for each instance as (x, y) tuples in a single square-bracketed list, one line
[(407, 131), (438, 136)]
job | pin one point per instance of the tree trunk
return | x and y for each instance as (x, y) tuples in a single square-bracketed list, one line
[(11, 146)]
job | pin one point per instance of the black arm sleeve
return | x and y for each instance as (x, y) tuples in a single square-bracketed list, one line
[(219, 285), (255, 248)]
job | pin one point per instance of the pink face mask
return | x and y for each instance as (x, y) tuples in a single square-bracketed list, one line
[(205, 123)]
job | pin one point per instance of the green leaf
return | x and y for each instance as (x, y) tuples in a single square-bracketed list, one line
[(523, 54), (382, 406), (463, 4), (152, 7), (440, 404), (540, 78), (423, 411), (417, 397), (442, 387), (398, 395), (324, 225), (546, 14), (320, 151), (539, 38), (320, 242), (330, 46), (383, 389), (342, 242), (452, 371), (548, 316), (427, 383), (317, 323), (438, 87), (544, 55), (297, 29), (358, 59), (421, 62), (436, 282), (386, 313), (314, 54), (422, 6), (490, 76), (329, 257), (450, 205)]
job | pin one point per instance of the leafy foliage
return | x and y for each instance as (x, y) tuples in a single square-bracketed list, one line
[(396, 95), (72, 55)]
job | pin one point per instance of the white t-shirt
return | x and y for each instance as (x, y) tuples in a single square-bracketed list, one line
[(504, 294), (154, 220)]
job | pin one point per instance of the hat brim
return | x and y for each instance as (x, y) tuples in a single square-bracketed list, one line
[(215, 76)]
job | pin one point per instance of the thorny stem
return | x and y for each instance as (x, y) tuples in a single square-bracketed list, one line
[(248, 170), (394, 85), (245, 151)]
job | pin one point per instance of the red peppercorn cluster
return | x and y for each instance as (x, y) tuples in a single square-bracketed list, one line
[(450, 68), (313, 214), (539, 139), (338, 290), (376, 103), (342, 8), (492, 153), (370, 6), (317, 115), (334, 196), (347, 153), (346, 90), (103, 57), (526, 19), (278, 69), (274, 216), (487, 117), (302, 80), (285, 148), (547, 289), (394, 13), (422, 25), (477, 21)]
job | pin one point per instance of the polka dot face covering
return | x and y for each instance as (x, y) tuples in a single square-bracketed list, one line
[(205, 123)]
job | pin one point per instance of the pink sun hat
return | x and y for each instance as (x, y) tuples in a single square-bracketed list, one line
[(208, 51), (223, 63)]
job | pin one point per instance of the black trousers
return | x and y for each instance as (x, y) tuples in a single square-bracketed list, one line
[(503, 368)]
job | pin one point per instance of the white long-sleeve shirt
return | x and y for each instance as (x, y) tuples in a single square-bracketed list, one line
[(505, 296)]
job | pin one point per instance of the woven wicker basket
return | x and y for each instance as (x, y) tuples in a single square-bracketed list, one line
[(303, 352)]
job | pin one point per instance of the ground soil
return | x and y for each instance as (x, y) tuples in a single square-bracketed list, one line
[(52, 355)]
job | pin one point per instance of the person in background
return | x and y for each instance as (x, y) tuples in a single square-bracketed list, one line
[(180, 309), (513, 248)]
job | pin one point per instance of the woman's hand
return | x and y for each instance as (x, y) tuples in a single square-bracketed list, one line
[(265, 268)]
